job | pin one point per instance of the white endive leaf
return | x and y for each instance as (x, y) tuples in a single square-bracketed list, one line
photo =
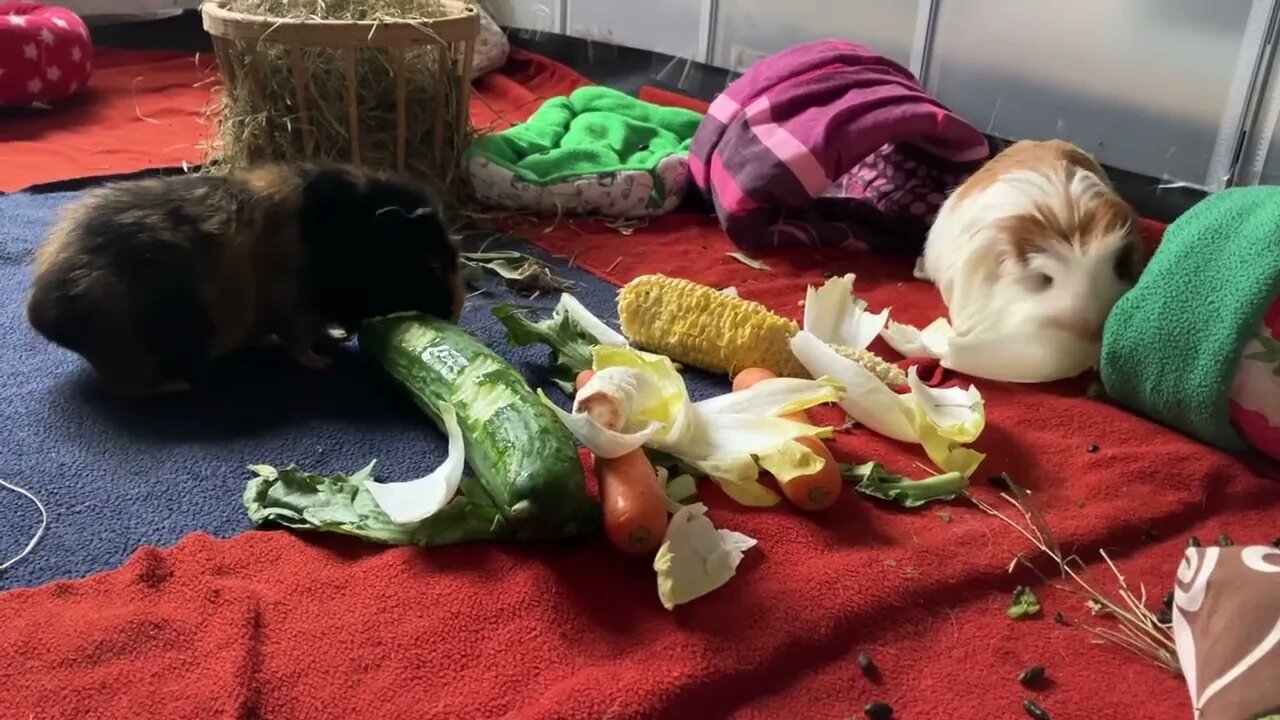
[(1037, 357), (594, 326), (615, 395), (727, 434), (912, 342), (599, 439), (695, 558), (790, 460), (664, 398), (775, 396), (681, 488), (724, 446), (946, 420), (866, 398), (416, 500), (949, 408), (835, 316)]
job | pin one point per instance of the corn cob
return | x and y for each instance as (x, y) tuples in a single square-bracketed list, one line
[(700, 326)]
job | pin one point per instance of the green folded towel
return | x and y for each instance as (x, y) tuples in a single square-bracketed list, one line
[(594, 130), (1172, 344)]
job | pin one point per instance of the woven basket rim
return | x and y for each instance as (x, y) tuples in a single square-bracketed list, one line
[(221, 22), (214, 8)]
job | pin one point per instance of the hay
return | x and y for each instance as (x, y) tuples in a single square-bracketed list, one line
[(260, 118)]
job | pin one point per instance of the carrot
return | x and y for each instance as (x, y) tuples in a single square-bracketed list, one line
[(819, 490), (815, 491), (602, 407), (633, 503), (750, 376)]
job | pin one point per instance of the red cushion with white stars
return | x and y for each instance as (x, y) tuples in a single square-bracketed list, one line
[(45, 53)]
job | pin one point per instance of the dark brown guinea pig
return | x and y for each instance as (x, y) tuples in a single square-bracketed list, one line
[(149, 280)]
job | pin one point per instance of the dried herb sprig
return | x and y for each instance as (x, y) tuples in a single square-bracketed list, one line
[(1140, 630)]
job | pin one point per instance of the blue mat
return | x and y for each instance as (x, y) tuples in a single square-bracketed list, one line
[(115, 477)]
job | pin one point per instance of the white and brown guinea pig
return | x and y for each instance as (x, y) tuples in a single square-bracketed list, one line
[(1037, 243), (149, 280)]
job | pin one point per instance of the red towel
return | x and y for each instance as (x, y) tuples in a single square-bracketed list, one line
[(142, 110)]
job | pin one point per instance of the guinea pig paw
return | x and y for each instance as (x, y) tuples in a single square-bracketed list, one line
[(312, 360)]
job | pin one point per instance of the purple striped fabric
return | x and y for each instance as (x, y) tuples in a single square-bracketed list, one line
[(829, 143)]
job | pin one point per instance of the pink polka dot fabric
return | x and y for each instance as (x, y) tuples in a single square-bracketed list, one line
[(903, 186), (45, 54), (1255, 392)]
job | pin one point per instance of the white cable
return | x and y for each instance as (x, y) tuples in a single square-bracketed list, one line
[(44, 522)]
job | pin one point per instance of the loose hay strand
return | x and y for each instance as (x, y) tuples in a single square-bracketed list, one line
[(1141, 633), (353, 106)]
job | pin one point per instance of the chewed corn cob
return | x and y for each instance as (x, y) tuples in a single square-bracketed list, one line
[(700, 326)]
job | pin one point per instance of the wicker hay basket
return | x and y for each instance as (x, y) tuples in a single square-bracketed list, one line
[(373, 93)]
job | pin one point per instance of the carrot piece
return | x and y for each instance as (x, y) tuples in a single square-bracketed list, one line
[(819, 490), (601, 407), (633, 503), (750, 376), (815, 491)]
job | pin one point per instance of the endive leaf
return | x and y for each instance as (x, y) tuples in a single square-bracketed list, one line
[(835, 316), (593, 325), (665, 401), (412, 501), (911, 342), (620, 395), (945, 420), (959, 414), (790, 460), (681, 488), (695, 558), (866, 398), (739, 478), (775, 396), (725, 447), (600, 440)]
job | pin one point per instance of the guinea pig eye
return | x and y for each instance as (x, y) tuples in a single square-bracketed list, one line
[(1126, 264), (1041, 281)]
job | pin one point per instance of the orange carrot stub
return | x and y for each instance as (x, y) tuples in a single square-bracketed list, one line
[(816, 491), (633, 503)]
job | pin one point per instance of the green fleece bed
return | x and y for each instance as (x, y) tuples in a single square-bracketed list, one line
[(596, 151)]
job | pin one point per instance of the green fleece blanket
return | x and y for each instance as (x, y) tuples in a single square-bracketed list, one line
[(593, 131), (1173, 343)]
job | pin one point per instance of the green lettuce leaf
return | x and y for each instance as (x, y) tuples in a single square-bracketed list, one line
[(570, 344), (874, 480), (340, 503), (1025, 604)]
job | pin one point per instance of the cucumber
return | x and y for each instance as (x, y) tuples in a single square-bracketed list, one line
[(523, 456)]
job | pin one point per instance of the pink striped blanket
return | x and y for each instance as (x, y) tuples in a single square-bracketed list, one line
[(828, 143)]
